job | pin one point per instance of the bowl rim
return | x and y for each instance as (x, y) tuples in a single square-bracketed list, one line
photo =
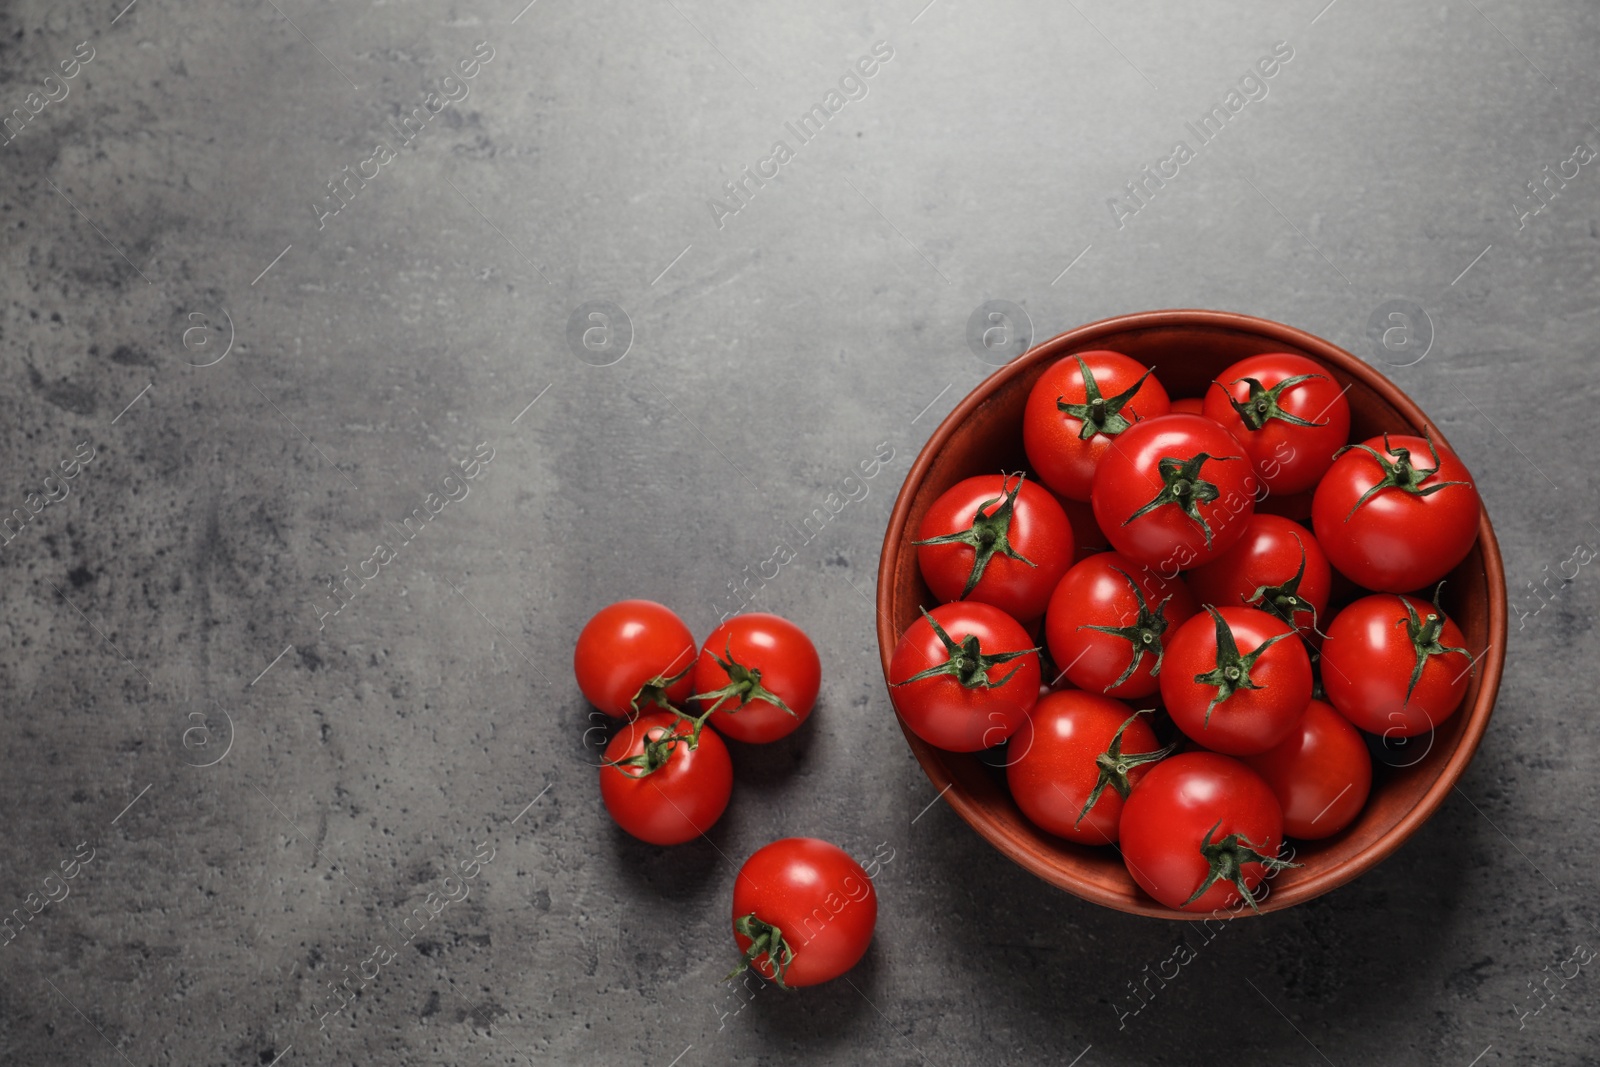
[(1093, 334)]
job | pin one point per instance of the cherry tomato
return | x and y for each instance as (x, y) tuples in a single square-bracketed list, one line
[(1321, 773), (803, 911), (758, 676), (1188, 405), (1077, 407), (1396, 513), (1087, 537), (633, 655), (1277, 566), (1108, 624), (1175, 492), (1201, 831), (995, 540), (1287, 411), (660, 785), (1237, 680), (1396, 666), (1072, 748), (964, 676)]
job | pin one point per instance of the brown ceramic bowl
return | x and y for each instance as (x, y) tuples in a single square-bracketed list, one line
[(983, 435)]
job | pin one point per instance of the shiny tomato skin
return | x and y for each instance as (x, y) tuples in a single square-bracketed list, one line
[(1039, 531), (942, 711), (1321, 773), (1396, 541), (1289, 458), (1167, 818), (1268, 555), (1050, 435), (1188, 405), (1094, 593), (1168, 538), (1052, 770), (627, 644), (1368, 659), (818, 896), (679, 800), (789, 665), (1250, 720)]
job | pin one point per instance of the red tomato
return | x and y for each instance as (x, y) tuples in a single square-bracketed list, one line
[(1201, 831), (1321, 773), (994, 542), (1176, 491), (1395, 665), (1389, 524), (1237, 680), (758, 677), (964, 676), (1072, 747), (1287, 411), (1277, 566), (662, 787), (1087, 537), (803, 911), (631, 655), (1188, 405), (1108, 624), (1075, 409)]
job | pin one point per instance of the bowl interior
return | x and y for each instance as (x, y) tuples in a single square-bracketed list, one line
[(1187, 349)]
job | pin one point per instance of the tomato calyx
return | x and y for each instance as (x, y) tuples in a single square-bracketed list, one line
[(967, 662), (1114, 765), (765, 940), (1232, 672), (655, 690), (989, 535), (1262, 407), (1424, 633), (1183, 486), (1284, 599), (744, 683), (1144, 633), (656, 752), (1100, 414), (1227, 859), (1399, 474)]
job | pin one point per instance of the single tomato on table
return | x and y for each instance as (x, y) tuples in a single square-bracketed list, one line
[(803, 912), (1321, 773), (1108, 623), (1277, 566), (663, 784), (1391, 524), (1237, 680), (995, 539), (634, 655), (964, 676), (1175, 492), (1287, 411), (1201, 832), (1071, 748), (757, 677), (1396, 666), (1078, 405)]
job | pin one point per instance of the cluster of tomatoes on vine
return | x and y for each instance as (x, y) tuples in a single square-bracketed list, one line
[(1230, 520), (803, 909)]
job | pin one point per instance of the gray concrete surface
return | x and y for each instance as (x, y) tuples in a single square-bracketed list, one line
[(267, 791)]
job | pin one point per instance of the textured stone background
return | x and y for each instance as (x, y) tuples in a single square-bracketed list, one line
[(163, 615)]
